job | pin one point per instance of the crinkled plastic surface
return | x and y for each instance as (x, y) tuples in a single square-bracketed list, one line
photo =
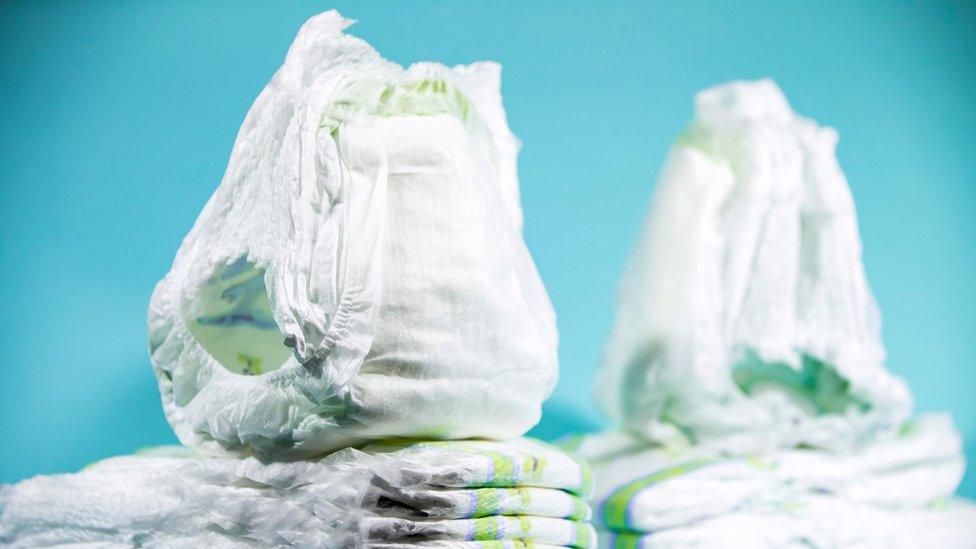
[(163, 501), (174, 496), (745, 321), (360, 271)]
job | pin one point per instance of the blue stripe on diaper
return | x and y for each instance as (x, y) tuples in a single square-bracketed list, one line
[(472, 503)]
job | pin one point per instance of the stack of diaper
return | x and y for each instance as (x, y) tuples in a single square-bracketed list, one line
[(746, 370), (444, 493), (481, 491), (895, 492), (358, 280)]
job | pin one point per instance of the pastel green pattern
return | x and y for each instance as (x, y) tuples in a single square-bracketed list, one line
[(581, 536), (816, 384), (506, 472), (490, 529), (626, 541), (426, 97), (616, 505), (486, 528), (580, 510), (487, 503)]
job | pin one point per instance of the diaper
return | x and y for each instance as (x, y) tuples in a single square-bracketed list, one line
[(816, 521), (744, 320), (480, 463), (360, 271)]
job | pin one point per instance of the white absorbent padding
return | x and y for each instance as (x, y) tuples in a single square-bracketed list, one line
[(745, 321), (360, 271)]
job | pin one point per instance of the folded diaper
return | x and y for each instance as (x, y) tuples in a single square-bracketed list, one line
[(480, 463), (360, 272), (405, 493), (547, 530), (745, 321), (816, 521)]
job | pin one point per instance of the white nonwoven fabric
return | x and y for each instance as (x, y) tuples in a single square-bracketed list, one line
[(360, 271), (174, 496), (652, 489), (816, 521), (745, 321)]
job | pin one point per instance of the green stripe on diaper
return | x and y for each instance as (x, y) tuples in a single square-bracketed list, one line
[(579, 511), (761, 464), (525, 526), (525, 498), (487, 503), (503, 465), (626, 541), (486, 528), (586, 483), (504, 474), (615, 507), (581, 535), (938, 504)]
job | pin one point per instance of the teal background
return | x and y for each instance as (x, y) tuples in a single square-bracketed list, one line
[(116, 121)]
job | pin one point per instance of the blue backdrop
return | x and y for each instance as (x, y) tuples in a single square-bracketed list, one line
[(116, 121)]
